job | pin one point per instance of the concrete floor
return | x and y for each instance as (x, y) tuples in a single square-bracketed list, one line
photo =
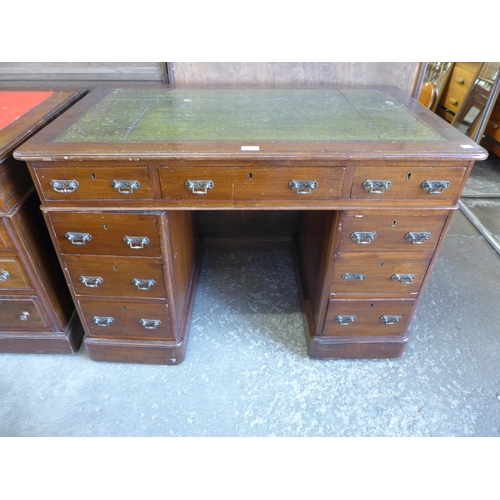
[(247, 373)]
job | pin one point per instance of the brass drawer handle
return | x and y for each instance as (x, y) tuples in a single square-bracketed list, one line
[(453, 101), (435, 187), (363, 238), (24, 315), (124, 186), (404, 279), (390, 320), (353, 277), (417, 238), (143, 284), (460, 80), (150, 324), (303, 187), (136, 242), (199, 187), (4, 275), (78, 238), (103, 320), (377, 187), (91, 281), (64, 186), (344, 320)]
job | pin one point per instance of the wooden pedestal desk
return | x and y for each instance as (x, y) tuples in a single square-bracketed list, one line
[(133, 179), (37, 314)]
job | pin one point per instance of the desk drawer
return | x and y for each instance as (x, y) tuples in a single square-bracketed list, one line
[(20, 314), (439, 184), (94, 183), (90, 233), (293, 184), (368, 318), (390, 231), (379, 272), (116, 276), (12, 275), (127, 319)]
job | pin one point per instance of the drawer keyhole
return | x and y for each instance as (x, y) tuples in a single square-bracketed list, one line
[(394, 223), (250, 176), (408, 177), (93, 176)]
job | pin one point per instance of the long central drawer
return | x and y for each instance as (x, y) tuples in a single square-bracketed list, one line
[(293, 184)]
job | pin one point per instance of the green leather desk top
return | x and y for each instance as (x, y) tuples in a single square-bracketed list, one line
[(142, 115)]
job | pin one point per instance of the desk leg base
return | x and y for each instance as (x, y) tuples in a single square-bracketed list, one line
[(130, 351), (66, 342), (355, 348)]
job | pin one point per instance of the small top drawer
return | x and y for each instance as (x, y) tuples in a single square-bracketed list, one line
[(94, 183), (430, 184), (238, 184), (89, 233)]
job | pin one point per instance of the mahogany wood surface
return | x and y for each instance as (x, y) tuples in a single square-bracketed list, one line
[(244, 156)]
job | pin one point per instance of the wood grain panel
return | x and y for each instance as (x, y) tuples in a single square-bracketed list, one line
[(401, 74), (4, 239), (15, 183), (183, 246), (67, 75)]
